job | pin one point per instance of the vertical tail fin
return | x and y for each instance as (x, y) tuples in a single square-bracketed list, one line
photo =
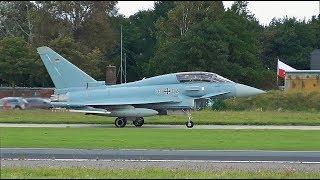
[(63, 73)]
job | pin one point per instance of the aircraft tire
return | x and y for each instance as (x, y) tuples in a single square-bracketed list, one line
[(138, 122), (120, 122), (189, 124)]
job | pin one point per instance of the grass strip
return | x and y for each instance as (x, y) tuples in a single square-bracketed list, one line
[(199, 117), (293, 100), (138, 138), (154, 173)]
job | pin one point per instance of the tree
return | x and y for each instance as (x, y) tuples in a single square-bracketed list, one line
[(161, 8), (315, 25), (85, 26), (139, 39), (18, 64), (241, 8), (17, 19), (291, 41), (224, 42), (175, 36), (47, 26), (75, 53), (185, 14)]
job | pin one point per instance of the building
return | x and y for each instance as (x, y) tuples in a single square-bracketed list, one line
[(25, 92), (306, 80), (315, 60)]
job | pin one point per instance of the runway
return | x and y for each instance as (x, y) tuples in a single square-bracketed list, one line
[(161, 126), (216, 160), (299, 161), (162, 155)]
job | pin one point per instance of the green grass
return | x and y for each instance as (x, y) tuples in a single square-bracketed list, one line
[(292, 100), (199, 117), (137, 138), (154, 173)]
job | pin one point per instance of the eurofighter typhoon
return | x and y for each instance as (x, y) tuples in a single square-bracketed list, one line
[(77, 91)]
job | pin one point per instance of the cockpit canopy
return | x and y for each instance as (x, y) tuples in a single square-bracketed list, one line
[(201, 77)]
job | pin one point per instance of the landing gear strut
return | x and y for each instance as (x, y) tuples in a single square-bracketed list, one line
[(189, 123), (120, 122), (138, 122)]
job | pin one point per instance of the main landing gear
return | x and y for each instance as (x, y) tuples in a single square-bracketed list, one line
[(189, 123), (121, 122), (138, 122)]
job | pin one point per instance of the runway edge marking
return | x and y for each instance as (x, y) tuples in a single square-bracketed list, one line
[(194, 161)]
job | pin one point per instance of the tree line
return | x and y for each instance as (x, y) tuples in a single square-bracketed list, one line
[(175, 36)]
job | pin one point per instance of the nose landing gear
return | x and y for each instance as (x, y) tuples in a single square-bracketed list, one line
[(189, 123)]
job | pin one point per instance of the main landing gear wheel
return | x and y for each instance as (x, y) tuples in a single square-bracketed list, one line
[(138, 122), (120, 122), (189, 124)]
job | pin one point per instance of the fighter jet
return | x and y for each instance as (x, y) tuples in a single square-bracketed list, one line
[(78, 92)]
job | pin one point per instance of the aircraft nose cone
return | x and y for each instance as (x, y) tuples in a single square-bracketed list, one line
[(245, 91)]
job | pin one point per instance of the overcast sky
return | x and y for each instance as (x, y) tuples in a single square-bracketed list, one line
[(264, 10)]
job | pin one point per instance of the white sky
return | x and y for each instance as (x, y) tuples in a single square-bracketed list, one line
[(264, 10)]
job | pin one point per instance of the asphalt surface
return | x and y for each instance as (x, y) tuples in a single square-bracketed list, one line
[(162, 155), (161, 126), (256, 161)]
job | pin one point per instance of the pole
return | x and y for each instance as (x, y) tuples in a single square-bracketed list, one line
[(125, 67), (277, 81), (277, 73), (121, 59)]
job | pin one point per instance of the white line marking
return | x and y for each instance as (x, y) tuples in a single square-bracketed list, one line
[(166, 150), (152, 160), (265, 127)]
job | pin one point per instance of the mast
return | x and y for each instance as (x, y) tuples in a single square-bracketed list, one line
[(125, 67), (121, 59)]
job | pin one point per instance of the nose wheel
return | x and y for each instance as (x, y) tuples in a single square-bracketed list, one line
[(138, 122), (120, 122), (189, 124)]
